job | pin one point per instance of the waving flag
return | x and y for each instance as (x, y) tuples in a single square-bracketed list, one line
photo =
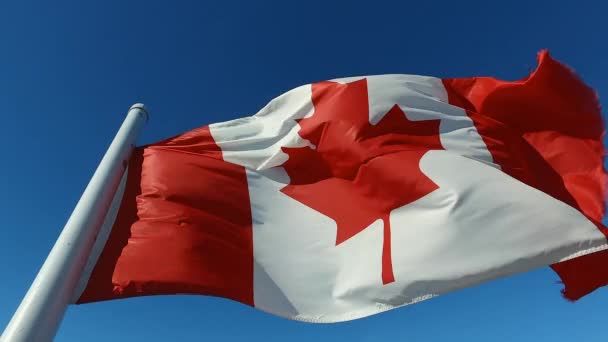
[(345, 198)]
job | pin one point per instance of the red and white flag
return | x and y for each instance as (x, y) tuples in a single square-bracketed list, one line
[(345, 198)]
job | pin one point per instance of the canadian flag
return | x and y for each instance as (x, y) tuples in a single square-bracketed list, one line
[(345, 198)]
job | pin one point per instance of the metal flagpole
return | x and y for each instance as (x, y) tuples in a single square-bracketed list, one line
[(42, 309)]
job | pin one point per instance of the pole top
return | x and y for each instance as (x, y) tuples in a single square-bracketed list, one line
[(141, 107)]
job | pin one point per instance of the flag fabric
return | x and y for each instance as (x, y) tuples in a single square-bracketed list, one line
[(345, 198)]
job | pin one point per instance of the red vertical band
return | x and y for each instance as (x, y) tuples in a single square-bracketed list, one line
[(184, 226), (546, 131)]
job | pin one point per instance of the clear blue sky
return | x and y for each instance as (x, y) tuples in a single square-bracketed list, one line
[(70, 70)]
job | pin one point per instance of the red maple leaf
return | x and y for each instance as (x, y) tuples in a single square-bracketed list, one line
[(357, 173)]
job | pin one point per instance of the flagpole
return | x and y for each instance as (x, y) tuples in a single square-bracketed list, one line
[(38, 316)]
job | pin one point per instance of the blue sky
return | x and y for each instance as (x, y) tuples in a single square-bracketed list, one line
[(70, 69)]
